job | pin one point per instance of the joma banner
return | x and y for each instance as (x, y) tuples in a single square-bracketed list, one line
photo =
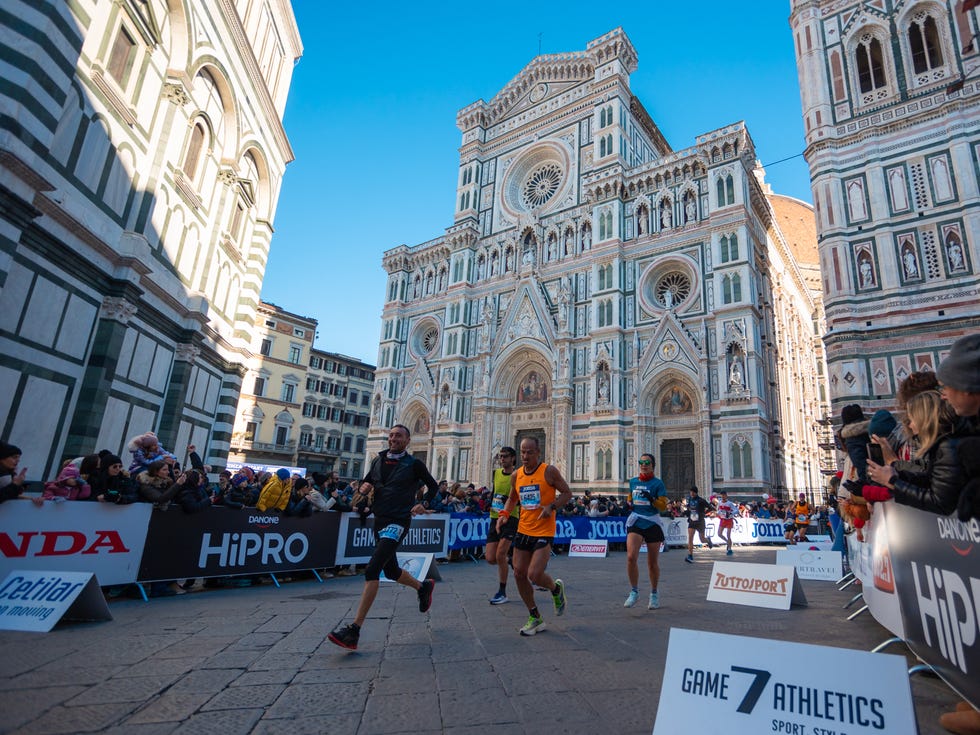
[(224, 542), (937, 575)]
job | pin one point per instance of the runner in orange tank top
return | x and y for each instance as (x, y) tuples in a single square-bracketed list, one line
[(541, 491)]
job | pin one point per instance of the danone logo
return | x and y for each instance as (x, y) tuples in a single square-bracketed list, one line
[(962, 535), (884, 575), (61, 543)]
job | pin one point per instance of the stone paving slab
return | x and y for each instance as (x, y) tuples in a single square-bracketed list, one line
[(255, 660)]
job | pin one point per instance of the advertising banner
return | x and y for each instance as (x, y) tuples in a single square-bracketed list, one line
[(774, 586), (106, 540), (937, 574), (825, 566), (426, 535), (581, 547), (36, 601), (746, 686), (222, 542), (871, 562)]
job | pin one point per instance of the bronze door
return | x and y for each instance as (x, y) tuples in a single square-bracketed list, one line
[(677, 466)]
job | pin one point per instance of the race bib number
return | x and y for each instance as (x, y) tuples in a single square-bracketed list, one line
[(694, 515), (499, 501), (530, 496), (802, 518), (392, 531), (640, 498)]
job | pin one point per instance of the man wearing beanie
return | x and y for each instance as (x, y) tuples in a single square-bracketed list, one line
[(959, 378)]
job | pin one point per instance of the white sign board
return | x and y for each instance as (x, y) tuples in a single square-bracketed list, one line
[(415, 564), (588, 547), (102, 538), (775, 586), (756, 686), (825, 566), (36, 601)]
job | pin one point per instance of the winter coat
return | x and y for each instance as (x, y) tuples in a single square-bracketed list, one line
[(118, 489), (319, 502), (61, 488), (855, 437), (157, 490), (194, 498), (934, 481), (275, 495)]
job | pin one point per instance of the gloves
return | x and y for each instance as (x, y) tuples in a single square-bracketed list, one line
[(876, 493)]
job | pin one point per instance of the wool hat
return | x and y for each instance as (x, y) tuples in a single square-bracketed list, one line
[(882, 423), (850, 414), (301, 482), (961, 368), (8, 450), (282, 473), (108, 460)]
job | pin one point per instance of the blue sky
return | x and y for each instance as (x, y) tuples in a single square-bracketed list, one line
[(372, 120)]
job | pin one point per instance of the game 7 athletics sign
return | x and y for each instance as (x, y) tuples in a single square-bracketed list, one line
[(718, 684)]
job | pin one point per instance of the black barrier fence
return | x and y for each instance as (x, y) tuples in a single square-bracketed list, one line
[(225, 543)]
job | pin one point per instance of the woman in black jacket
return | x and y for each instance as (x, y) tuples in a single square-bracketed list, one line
[(194, 497), (934, 480)]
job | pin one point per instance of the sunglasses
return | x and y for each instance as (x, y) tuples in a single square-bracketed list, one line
[(645, 461)]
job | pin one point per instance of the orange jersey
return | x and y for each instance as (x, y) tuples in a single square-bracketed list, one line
[(535, 493)]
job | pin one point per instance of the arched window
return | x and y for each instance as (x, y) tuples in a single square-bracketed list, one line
[(733, 247), (720, 187), (602, 147), (195, 147), (736, 287), (924, 44), (726, 290), (730, 189), (725, 257), (740, 453), (870, 64)]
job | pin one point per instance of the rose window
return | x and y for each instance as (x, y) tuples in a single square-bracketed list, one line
[(540, 185), (672, 288), (429, 339)]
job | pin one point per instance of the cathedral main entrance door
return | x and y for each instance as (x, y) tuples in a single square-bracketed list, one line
[(677, 466), (534, 434)]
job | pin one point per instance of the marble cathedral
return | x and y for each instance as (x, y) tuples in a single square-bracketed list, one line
[(891, 105), (608, 295)]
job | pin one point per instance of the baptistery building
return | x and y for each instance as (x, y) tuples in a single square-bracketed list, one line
[(607, 294), (141, 156)]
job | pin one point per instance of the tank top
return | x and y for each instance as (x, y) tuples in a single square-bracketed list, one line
[(501, 491), (535, 493)]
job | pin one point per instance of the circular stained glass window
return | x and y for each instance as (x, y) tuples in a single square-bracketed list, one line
[(429, 339), (672, 289), (540, 185)]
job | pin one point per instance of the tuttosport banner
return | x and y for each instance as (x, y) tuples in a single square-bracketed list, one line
[(937, 575), (467, 530), (106, 540), (224, 542)]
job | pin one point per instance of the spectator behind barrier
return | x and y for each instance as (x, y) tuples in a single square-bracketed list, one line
[(193, 495), (11, 480), (112, 484), (145, 449), (275, 492), (934, 481), (68, 486), (154, 485)]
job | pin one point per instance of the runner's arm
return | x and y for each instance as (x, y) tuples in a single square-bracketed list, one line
[(553, 477)]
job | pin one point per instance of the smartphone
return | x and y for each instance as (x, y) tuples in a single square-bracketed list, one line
[(875, 455)]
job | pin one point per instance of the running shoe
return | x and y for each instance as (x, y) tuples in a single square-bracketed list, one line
[(559, 598), (425, 595), (532, 626), (710, 545), (689, 559), (345, 637), (654, 601), (631, 598), (499, 599), (729, 552)]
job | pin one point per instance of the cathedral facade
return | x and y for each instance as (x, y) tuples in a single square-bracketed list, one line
[(608, 295), (141, 156), (891, 103)]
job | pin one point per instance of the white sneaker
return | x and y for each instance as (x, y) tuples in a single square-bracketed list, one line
[(631, 599), (654, 601)]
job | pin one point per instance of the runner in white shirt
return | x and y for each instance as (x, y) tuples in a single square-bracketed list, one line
[(726, 512)]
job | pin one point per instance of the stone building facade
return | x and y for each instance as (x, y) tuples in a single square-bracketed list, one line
[(607, 294), (891, 103), (300, 406), (141, 155)]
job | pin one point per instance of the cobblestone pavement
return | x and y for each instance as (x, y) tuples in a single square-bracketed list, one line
[(255, 660)]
